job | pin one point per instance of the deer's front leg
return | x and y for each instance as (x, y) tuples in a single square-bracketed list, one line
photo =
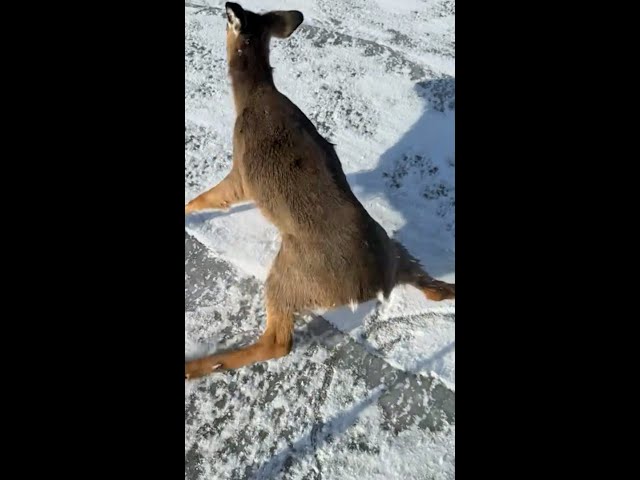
[(226, 193)]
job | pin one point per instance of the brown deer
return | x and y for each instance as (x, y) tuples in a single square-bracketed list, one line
[(332, 253)]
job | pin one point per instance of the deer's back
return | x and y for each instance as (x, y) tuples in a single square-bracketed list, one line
[(296, 179)]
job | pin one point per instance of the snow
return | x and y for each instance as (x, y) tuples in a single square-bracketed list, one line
[(377, 78)]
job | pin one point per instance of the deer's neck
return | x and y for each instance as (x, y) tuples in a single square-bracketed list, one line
[(249, 70)]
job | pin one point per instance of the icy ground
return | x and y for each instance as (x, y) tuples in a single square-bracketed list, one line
[(369, 394)]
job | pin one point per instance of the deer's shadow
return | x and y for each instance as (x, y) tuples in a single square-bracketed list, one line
[(416, 176)]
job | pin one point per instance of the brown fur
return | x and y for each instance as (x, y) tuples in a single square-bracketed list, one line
[(332, 253)]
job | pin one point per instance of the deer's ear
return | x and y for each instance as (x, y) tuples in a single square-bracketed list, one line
[(283, 23), (235, 16)]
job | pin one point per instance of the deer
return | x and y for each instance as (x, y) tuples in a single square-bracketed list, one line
[(332, 252)]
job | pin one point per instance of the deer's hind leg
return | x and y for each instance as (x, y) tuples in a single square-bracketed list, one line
[(275, 342), (277, 338), (409, 271)]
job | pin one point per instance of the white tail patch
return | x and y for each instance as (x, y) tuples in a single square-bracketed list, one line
[(353, 305), (388, 301)]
